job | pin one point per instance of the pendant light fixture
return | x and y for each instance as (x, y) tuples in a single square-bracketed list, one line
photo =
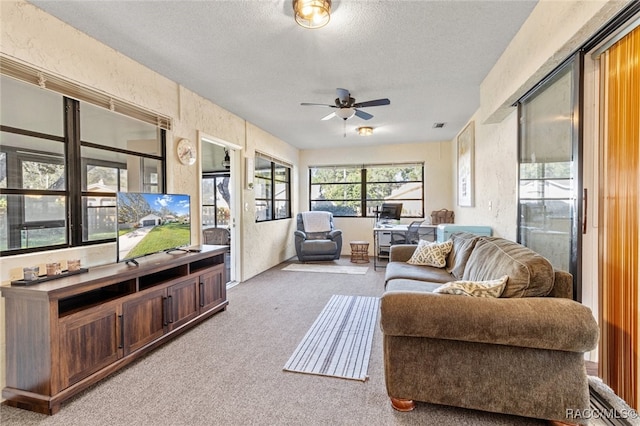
[(226, 163), (312, 13)]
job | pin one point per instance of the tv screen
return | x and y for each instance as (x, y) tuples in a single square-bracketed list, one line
[(391, 211), (151, 223)]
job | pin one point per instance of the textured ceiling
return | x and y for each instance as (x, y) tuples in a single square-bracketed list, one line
[(251, 58)]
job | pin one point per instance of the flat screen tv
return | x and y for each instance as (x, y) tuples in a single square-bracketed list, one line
[(151, 223), (390, 211)]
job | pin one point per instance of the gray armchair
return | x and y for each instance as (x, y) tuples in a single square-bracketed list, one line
[(319, 240)]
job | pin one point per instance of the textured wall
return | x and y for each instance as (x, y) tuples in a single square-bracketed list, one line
[(552, 32), (496, 174)]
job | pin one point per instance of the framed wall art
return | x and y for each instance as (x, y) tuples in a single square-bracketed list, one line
[(466, 141)]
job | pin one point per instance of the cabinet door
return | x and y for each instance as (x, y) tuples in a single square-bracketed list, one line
[(89, 341), (213, 288), (183, 300), (144, 319)]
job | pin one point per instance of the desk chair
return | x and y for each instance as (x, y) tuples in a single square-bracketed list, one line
[(410, 236)]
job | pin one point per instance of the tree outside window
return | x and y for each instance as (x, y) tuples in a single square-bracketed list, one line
[(359, 191)]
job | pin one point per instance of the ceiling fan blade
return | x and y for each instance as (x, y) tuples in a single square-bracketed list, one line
[(363, 115), (312, 104), (343, 95), (376, 102), (330, 116)]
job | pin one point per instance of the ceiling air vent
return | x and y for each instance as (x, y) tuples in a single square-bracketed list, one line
[(438, 125)]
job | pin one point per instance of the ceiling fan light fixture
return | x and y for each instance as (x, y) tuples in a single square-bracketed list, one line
[(345, 113), (365, 131), (312, 13)]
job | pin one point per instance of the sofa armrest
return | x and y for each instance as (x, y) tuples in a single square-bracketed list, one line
[(401, 252), (533, 322), (562, 285), (300, 234), (335, 233)]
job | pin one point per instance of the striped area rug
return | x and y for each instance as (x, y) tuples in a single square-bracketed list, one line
[(339, 341)]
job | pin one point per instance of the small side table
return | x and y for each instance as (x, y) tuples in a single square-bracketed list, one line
[(359, 252)]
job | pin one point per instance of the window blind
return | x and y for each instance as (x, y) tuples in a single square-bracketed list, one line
[(273, 159), (32, 75)]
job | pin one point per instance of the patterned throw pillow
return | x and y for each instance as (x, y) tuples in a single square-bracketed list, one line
[(431, 254), (492, 288)]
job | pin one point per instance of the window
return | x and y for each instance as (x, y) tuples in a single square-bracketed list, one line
[(548, 169), (215, 200), (359, 191), (61, 162), (272, 185)]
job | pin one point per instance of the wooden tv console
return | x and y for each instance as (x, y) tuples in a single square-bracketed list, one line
[(64, 335)]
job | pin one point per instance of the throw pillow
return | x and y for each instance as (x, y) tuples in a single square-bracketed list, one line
[(491, 288), (431, 254)]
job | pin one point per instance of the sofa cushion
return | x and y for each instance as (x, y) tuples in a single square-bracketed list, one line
[(491, 288), (431, 254), (463, 244), (402, 284), (530, 274), (404, 270)]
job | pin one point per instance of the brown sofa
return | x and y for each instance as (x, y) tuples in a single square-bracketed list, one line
[(520, 354)]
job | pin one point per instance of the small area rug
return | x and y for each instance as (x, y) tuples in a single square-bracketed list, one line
[(607, 408), (326, 268), (338, 343)]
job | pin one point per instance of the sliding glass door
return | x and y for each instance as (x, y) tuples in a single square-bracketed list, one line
[(549, 171)]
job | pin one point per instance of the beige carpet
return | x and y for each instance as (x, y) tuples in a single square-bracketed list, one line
[(327, 268), (338, 343)]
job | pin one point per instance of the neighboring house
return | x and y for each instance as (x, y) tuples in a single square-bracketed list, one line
[(411, 196), (150, 220)]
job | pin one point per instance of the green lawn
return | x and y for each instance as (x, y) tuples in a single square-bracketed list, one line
[(162, 237)]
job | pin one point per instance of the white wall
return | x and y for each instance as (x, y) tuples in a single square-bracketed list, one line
[(437, 171), (265, 244)]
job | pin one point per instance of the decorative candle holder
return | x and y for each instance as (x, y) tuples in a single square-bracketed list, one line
[(30, 273), (73, 265), (54, 268)]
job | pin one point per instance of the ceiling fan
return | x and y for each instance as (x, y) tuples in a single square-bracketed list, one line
[(347, 107)]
